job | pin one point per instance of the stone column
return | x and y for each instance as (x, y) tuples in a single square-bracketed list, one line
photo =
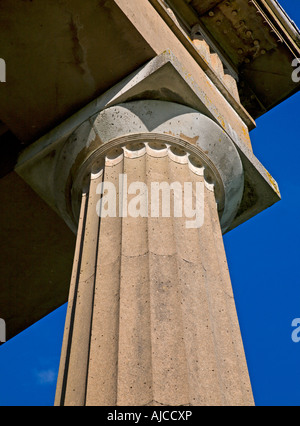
[(151, 316)]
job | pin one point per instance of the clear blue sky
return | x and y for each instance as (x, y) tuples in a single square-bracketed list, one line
[(264, 261)]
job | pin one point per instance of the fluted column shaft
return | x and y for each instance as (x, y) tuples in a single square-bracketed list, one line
[(151, 317)]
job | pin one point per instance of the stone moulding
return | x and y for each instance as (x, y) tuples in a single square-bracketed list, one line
[(162, 79)]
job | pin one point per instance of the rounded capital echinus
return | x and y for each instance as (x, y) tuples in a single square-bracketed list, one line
[(158, 128)]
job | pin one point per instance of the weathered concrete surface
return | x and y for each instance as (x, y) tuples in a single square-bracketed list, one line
[(151, 316), (68, 72), (60, 56)]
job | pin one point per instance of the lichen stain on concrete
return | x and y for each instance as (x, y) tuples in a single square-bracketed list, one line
[(169, 133), (222, 121), (273, 183), (247, 137), (192, 141)]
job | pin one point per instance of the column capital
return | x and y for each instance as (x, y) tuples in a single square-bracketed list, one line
[(163, 78), (147, 122)]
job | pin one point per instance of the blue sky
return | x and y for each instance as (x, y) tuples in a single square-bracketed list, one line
[(263, 256)]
